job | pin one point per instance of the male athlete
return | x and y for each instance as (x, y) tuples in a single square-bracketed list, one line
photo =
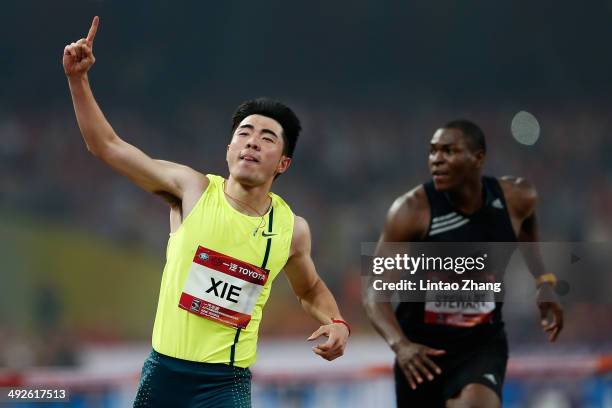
[(457, 358), (230, 238)]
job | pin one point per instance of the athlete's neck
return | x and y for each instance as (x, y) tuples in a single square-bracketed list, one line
[(468, 197), (249, 200)]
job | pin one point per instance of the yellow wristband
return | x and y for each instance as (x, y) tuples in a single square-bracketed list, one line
[(546, 278)]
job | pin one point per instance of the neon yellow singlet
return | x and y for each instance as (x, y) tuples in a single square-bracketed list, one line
[(215, 224)]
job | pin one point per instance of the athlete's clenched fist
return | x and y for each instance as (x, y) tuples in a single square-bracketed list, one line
[(78, 56)]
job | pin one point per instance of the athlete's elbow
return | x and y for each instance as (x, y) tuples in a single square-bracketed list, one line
[(309, 293), (369, 305), (366, 304), (93, 150), (98, 152), (100, 143), (107, 151), (368, 300)]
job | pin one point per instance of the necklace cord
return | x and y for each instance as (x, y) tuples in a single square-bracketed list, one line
[(262, 220)]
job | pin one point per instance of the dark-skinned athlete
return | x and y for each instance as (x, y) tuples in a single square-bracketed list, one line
[(442, 359)]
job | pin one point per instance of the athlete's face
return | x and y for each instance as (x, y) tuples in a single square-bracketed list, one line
[(451, 161), (255, 153)]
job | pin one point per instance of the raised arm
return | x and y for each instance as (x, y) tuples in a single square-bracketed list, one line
[(313, 294), (164, 178)]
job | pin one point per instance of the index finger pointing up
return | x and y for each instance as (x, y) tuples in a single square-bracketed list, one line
[(92, 30)]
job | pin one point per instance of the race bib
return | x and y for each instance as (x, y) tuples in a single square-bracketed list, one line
[(222, 289), (459, 308)]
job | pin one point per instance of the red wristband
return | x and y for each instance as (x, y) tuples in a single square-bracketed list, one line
[(348, 326)]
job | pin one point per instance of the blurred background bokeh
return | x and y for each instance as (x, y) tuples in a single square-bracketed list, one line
[(82, 249)]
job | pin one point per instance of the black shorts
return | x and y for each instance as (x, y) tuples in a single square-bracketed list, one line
[(170, 382), (483, 364)]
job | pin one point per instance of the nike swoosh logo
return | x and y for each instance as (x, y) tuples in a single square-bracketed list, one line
[(263, 234)]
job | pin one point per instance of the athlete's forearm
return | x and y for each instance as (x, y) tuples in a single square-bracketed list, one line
[(319, 303), (384, 321), (97, 132), (530, 249)]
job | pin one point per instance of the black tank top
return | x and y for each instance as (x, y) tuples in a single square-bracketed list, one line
[(424, 323)]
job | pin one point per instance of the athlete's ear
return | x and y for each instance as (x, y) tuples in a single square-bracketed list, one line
[(283, 164), (480, 158), (227, 156)]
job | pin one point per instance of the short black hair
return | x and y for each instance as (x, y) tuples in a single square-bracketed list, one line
[(473, 134), (273, 110)]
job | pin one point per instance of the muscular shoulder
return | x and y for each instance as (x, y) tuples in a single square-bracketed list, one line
[(301, 240), (192, 183), (521, 195), (408, 216), (189, 177)]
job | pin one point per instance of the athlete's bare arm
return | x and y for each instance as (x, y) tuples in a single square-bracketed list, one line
[(521, 197), (313, 294), (156, 176), (407, 220)]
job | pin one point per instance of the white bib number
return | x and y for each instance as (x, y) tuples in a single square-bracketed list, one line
[(222, 289), (457, 308)]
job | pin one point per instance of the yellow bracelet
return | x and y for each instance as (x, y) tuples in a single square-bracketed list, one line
[(546, 278)]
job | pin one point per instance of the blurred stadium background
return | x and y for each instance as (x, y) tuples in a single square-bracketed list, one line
[(371, 82)]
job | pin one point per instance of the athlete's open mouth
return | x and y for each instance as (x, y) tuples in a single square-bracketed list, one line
[(248, 157), (439, 173)]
